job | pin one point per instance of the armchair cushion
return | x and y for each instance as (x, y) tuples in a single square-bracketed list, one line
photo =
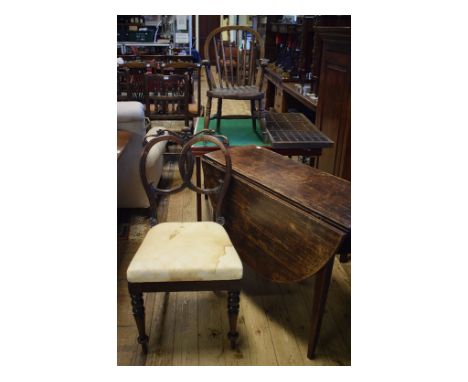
[(131, 116), (130, 191)]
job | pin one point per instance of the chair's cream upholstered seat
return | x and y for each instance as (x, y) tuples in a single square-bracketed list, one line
[(199, 251)]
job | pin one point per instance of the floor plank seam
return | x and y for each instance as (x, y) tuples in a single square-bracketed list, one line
[(269, 330)]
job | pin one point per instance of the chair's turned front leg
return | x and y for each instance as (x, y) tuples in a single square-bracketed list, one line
[(139, 314), (233, 311), (207, 113)]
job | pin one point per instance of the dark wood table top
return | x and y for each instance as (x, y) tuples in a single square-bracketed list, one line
[(123, 137), (319, 193)]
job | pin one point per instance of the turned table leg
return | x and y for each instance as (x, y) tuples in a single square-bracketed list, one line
[(322, 283)]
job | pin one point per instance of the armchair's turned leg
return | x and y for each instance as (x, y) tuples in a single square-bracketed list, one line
[(322, 282), (218, 115), (198, 182), (252, 110), (139, 314), (233, 311), (261, 115), (207, 113)]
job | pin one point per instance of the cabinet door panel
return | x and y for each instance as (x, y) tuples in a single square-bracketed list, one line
[(334, 109)]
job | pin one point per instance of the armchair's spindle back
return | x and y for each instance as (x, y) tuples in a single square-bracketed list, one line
[(236, 61)]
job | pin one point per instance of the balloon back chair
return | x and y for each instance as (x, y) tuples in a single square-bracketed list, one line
[(239, 62), (196, 256)]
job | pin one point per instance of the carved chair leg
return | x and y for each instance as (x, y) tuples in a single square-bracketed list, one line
[(207, 113), (233, 312), (139, 314), (218, 115), (252, 110)]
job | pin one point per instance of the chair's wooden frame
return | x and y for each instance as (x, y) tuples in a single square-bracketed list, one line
[(235, 76), (132, 80), (194, 72), (168, 83), (233, 287)]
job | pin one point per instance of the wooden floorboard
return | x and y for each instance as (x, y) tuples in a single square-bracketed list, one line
[(211, 333), (297, 322), (186, 330), (190, 328), (257, 331), (161, 342), (284, 342)]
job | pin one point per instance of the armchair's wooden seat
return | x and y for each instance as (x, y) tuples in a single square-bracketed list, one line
[(199, 251), (238, 92)]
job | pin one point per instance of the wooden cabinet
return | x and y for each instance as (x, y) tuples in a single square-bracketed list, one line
[(334, 101), (207, 23), (279, 100)]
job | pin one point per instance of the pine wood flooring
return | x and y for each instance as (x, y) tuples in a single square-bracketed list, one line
[(190, 328)]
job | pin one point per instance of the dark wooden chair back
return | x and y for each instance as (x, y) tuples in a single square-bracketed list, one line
[(130, 85), (136, 87), (186, 162), (194, 73), (237, 61), (167, 96), (122, 85)]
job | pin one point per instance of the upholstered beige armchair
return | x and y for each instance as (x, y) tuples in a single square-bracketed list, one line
[(130, 191)]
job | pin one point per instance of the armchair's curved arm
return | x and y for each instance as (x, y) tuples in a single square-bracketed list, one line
[(209, 76)]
